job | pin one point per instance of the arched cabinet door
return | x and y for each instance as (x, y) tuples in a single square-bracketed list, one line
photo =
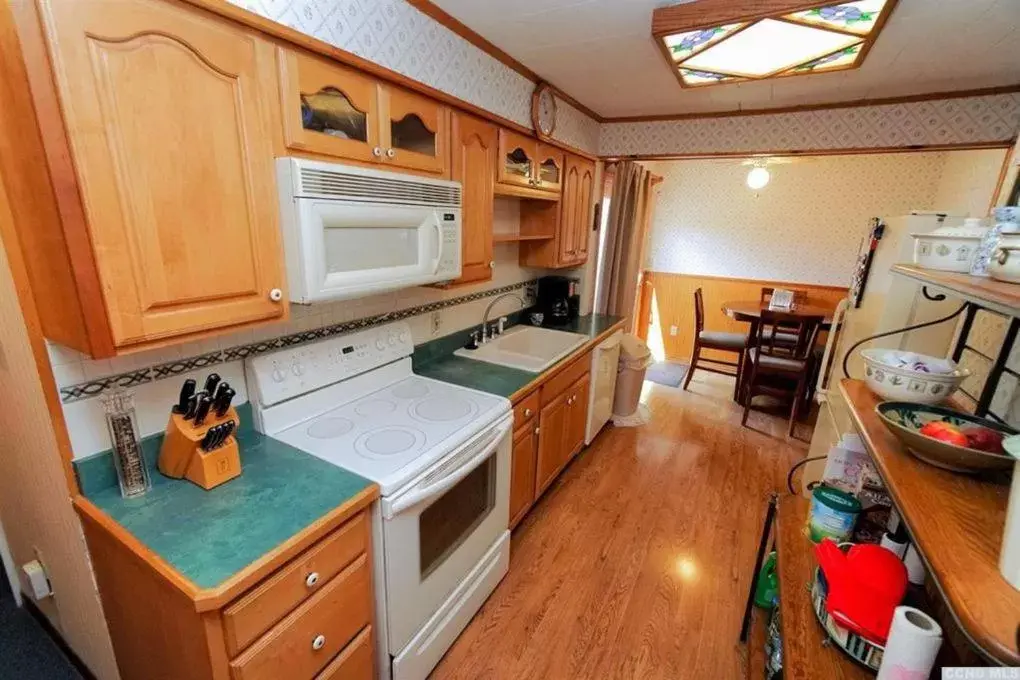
[(567, 228), (415, 131), (474, 166), (517, 159), (328, 108), (550, 168), (585, 208), (165, 112)]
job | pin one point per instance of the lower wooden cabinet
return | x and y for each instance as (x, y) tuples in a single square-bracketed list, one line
[(309, 619), (544, 443)]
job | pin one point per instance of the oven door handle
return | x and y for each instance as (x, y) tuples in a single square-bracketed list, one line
[(416, 496)]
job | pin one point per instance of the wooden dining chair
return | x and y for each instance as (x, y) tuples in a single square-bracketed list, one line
[(779, 369), (717, 340), (784, 335)]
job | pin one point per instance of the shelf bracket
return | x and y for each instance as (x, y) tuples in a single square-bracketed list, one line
[(934, 297)]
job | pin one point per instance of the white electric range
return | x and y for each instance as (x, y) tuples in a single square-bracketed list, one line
[(441, 456)]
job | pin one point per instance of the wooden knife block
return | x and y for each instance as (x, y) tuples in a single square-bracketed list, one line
[(181, 455)]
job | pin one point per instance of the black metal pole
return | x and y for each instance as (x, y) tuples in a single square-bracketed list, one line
[(770, 515)]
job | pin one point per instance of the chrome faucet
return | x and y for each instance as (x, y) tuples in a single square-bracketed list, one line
[(488, 333)]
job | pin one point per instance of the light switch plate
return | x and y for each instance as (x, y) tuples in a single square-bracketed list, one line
[(673, 330)]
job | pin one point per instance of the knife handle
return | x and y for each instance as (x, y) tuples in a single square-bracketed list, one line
[(211, 381), (228, 430), (223, 387), (223, 402), (204, 402), (187, 389), (208, 438), (189, 411)]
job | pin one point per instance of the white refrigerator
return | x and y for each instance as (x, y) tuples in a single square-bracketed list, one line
[(888, 302)]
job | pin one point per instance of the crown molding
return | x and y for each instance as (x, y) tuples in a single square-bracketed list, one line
[(953, 94)]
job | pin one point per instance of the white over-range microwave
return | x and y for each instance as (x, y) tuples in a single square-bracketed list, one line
[(351, 231)]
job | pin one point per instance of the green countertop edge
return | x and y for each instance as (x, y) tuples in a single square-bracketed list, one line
[(435, 359), (209, 536)]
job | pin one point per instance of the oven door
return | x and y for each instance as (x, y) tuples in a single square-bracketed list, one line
[(350, 249), (438, 528)]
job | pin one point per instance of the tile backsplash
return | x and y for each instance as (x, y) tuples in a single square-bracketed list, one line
[(155, 376)]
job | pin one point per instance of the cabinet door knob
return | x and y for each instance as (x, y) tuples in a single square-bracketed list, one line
[(537, 430), (318, 642), (390, 153), (527, 413), (312, 579), (492, 264), (276, 295), (377, 152)]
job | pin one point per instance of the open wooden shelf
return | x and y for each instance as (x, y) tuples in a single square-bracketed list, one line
[(997, 296), (511, 238), (956, 522), (805, 654)]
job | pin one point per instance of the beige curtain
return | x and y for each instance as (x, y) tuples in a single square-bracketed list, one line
[(630, 210)]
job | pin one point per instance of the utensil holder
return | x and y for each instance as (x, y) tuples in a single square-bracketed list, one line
[(182, 457)]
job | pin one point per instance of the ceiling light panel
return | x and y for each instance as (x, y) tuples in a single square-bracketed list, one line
[(684, 45), (857, 17), (768, 47)]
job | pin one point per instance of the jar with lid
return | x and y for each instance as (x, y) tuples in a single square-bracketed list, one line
[(1007, 226)]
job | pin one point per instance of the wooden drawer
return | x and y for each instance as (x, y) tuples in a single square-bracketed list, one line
[(526, 409), (254, 613), (356, 662), (335, 614), (565, 378)]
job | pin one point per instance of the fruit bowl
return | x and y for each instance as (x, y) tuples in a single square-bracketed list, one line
[(907, 420), (899, 376)]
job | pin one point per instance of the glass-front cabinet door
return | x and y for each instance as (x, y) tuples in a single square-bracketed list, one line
[(416, 132), (329, 109), (517, 154), (549, 173)]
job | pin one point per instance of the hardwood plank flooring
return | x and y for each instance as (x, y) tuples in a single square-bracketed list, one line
[(636, 562)]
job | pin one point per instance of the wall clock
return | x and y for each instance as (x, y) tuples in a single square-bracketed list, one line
[(543, 110)]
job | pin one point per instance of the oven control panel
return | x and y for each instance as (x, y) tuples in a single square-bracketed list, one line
[(291, 372)]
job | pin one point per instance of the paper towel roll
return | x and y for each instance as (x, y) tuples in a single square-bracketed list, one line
[(893, 546), (914, 641), (915, 567)]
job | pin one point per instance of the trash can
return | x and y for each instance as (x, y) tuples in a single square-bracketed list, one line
[(635, 358)]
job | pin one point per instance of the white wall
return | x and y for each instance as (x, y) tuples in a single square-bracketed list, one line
[(807, 224)]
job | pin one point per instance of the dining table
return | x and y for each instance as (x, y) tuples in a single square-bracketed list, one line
[(749, 311)]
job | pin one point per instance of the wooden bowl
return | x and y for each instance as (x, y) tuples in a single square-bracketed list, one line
[(905, 419)]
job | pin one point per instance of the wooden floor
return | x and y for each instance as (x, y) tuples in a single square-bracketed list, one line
[(636, 562)]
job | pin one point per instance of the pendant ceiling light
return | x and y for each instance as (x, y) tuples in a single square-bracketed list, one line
[(758, 177), (718, 41)]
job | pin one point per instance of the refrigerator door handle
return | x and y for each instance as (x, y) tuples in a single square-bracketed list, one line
[(829, 363)]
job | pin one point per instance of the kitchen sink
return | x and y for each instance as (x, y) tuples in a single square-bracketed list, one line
[(527, 348)]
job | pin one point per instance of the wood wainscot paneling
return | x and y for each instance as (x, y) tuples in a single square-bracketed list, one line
[(670, 301)]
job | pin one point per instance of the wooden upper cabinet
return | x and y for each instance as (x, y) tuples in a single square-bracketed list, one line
[(473, 164), (328, 108), (568, 215), (332, 110), (170, 206), (415, 131), (518, 158), (570, 225), (549, 168), (585, 209)]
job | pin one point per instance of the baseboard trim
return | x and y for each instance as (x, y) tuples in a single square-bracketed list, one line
[(57, 638)]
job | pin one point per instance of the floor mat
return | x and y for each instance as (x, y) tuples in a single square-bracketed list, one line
[(666, 373)]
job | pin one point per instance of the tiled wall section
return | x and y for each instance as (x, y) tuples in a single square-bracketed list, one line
[(155, 376), (966, 120), (394, 34)]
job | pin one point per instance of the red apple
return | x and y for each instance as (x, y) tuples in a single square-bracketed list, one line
[(945, 432), (983, 439)]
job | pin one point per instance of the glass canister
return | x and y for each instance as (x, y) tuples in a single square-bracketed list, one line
[(1007, 221), (132, 475)]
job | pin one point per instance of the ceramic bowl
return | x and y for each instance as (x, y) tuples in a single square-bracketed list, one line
[(905, 384), (905, 420), (1005, 262)]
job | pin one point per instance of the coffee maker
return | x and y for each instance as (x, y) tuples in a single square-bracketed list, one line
[(558, 300)]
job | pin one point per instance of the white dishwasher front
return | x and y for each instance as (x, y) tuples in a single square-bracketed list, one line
[(603, 384)]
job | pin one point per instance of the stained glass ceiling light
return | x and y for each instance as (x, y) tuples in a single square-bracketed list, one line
[(715, 41)]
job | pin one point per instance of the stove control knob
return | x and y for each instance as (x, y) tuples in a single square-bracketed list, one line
[(380, 344), (297, 368), (403, 336), (392, 339), (278, 375)]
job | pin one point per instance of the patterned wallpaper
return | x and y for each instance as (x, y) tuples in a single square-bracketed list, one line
[(394, 34), (992, 118), (804, 226)]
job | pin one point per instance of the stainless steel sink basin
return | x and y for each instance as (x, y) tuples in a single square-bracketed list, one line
[(526, 348)]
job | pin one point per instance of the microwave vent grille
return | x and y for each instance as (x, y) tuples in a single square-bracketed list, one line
[(335, 184)]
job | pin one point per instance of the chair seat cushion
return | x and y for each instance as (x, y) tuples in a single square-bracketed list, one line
[(778, 364), (720, 340)]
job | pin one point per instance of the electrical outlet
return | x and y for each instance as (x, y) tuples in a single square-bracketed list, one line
[(673, 330), (436, 323)]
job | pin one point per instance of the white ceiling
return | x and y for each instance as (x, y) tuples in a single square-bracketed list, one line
[(601, 53)]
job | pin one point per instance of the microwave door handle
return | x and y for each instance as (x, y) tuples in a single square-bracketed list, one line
[(409, 500), (439, 250)]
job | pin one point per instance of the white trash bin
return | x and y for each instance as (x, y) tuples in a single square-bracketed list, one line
[(635, 358)]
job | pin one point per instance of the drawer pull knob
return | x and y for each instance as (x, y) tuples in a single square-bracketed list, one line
[(312, 579), (319, 642), (527, 413)]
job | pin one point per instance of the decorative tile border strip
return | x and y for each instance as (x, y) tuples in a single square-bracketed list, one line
[(93, 388)]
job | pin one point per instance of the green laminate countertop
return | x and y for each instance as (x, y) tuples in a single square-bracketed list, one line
[(209, 536), (436, 360)]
